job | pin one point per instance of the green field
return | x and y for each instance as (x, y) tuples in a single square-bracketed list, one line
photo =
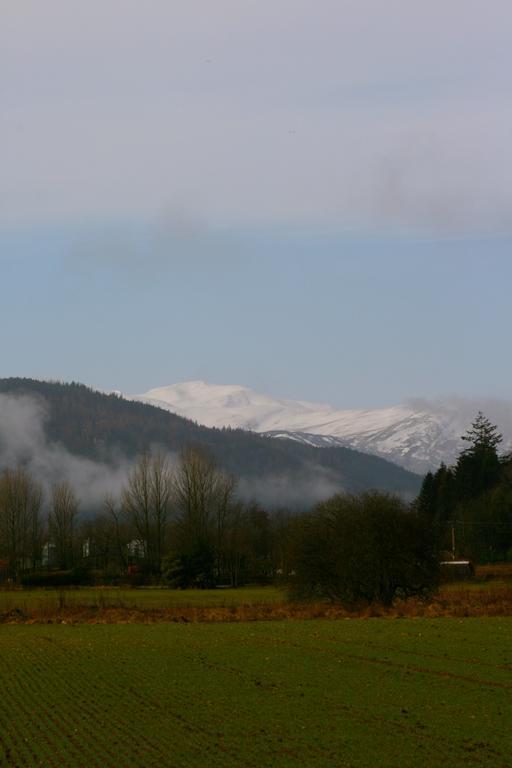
[(376, 692), (30, 600)]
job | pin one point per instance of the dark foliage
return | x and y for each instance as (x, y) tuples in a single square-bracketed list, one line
[(75, 577), (193, 568), (478, 467), (366, 548), (473, 498)]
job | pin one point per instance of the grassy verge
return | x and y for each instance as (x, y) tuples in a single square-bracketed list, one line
[(250, 604), (48, 601)]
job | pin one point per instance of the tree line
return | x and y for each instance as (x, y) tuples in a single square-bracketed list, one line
[(183, 522), (184, 525), (471, 501)]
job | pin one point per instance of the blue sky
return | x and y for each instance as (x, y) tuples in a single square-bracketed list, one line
[(343, 319), (310, 198)]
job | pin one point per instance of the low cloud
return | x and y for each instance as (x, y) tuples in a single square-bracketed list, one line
[(463, 410), (304, 491), (23, 442), (457, 414)]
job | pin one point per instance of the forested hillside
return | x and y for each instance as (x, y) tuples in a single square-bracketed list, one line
[(101, 426)]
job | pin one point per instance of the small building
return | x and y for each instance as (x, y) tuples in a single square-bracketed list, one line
[(137, 549), (457, 570), (49, 555)]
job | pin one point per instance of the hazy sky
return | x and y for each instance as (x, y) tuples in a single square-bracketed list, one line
[(311, 198)]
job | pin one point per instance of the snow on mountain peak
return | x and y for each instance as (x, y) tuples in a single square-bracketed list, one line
[(418, 434)]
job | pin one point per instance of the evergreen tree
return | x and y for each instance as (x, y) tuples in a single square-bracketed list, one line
[(476, 495), (446, 493), (478, 466), (437, 498), (482, 436), (426, 503)]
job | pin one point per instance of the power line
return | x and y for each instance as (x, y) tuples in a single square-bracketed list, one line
[(479, 522)]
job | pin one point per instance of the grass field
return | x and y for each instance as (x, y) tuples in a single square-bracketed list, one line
[(47, 602), (376, 693), (41, 600), (483, 597)]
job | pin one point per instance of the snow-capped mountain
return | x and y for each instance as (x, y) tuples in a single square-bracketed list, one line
[(417, 435)]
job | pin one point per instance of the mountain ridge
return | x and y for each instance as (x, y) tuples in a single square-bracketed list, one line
[(110, 429), (417, 435)]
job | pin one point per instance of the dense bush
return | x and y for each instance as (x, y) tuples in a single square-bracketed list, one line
[(366, 548), (193, 568), (75, 577)]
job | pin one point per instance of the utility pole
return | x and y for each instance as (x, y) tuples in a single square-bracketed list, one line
[(453, 538)]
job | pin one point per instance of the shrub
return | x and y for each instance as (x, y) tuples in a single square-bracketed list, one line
[(193, 568), (366, 548), (76, 577)]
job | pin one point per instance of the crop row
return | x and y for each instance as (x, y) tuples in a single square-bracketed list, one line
[(312, 693)]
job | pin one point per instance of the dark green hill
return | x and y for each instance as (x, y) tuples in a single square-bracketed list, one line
[(100, 426)]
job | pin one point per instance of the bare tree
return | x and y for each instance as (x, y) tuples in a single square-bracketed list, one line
[(34, 500), (204, 501), (98, 545), (61, 523), (119, 529), (20, 520), (147, 503), (233, 544)]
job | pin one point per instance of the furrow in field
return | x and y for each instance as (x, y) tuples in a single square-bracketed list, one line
[(396, 664), (391, 724), (289, 694), (61, 722), (320, 694), (135, 702), (76, 716)]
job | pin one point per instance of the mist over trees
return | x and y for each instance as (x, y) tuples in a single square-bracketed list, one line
[(180, 520), (183, 524), (90, 439), (119, 487)]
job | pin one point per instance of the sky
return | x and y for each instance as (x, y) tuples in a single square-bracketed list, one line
[(308, 198)]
